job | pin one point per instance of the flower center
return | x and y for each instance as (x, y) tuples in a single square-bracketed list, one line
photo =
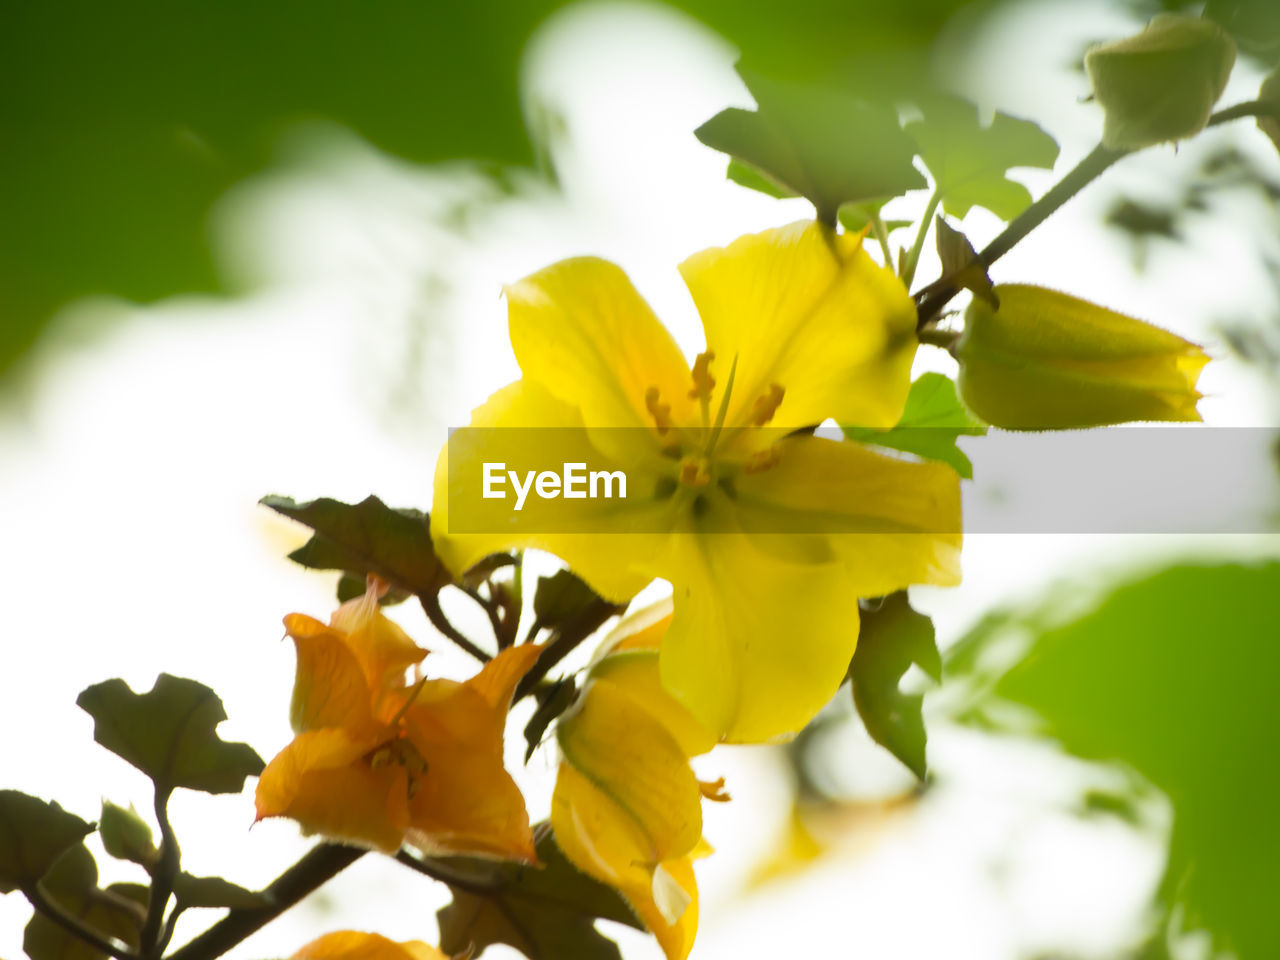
[(402, 753)]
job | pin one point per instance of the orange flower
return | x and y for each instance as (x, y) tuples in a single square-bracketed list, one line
[(353, 945), (380, 762)]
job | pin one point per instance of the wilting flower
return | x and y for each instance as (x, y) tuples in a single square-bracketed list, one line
[(627, 808), (353, 945), (380, 762), (766, 533), (1161, 84), (1046, 361)]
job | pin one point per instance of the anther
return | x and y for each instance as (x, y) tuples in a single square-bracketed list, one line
[(694, 472), (761, 461), (661, 412), (766, 405), (703, 382), (714, 790)]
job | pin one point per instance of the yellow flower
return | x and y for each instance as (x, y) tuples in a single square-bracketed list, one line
[(378, 762), (801, 325), (627, 808), (1049, 361), (353, 945)]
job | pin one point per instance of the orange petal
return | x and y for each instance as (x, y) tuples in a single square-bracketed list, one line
[(329, 688), (383, 649), (353, 945)]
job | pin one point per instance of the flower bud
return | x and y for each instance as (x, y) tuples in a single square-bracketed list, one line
[(1270, 94), (1161, 84), (1049, 361)]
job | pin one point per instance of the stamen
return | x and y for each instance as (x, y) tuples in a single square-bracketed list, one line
[(724, 409), (661, 412), (766, 405), (703, 381), (761, 461), (694, 472), (714, 791)]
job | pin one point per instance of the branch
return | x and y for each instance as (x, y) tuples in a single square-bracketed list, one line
[(162, 879), (931, 300), (73, 926), (317, 867), (431, 607)]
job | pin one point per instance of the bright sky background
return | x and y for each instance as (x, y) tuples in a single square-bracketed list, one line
[(134, 544)]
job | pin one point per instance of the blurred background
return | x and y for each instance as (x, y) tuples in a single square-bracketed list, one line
[(258, 248)]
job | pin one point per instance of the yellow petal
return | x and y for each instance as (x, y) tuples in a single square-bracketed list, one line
[(891, 522), (329, 688), (381, 646), (758, 645), (353, 945), (806, 310), (630, 792), (465, 801), (590, 535), (674, 933), (322, 781), (631, 664), (580, 329)]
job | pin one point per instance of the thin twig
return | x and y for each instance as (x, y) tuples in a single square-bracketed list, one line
[(316, 868), (431, 607), (54, 912), (931, 299)]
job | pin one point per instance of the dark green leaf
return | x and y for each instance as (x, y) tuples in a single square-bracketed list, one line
[(552, 702), (969, 162), (823, 143), (367, 537), (546, 913), (215, 892), (961, 266), (33, 834), (1174, 676), (931, 421), (169, 734), (72, 884), (560, 598), (890, 640), (126, 836)]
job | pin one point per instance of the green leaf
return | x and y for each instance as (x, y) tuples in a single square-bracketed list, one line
[(855, 217), (1172, 675), (169, 734), (126, 836), (367, 537), (745, 175), (560, 598), (33, 834), (890, 639), (823, 143), (546, 912), (969, 162), (931, 421), (216, 892), (552, 702), (117, 912)]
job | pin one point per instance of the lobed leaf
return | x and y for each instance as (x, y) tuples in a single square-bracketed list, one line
[(169, 734), (33, 835)]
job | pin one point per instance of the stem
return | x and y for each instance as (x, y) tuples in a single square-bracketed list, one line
[(162, 878), (882, 235), (431, 607), (429, 868), (73, 926), (490, 607), (931, 300), (913, 257), (316, 868)]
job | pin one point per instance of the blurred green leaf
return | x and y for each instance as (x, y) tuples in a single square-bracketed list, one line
[(546, 913), (72, 884), (931, 421), (745, 175), (33, 834), (1174, 675), (969, 161), (821, 142), (891, 638), (560, 598), (169, 734), (367, 537), (553, 701), (961, 265), (215, 892), (858, 216), (126, 836)]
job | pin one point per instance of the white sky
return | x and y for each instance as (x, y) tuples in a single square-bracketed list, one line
[(134, 545)]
